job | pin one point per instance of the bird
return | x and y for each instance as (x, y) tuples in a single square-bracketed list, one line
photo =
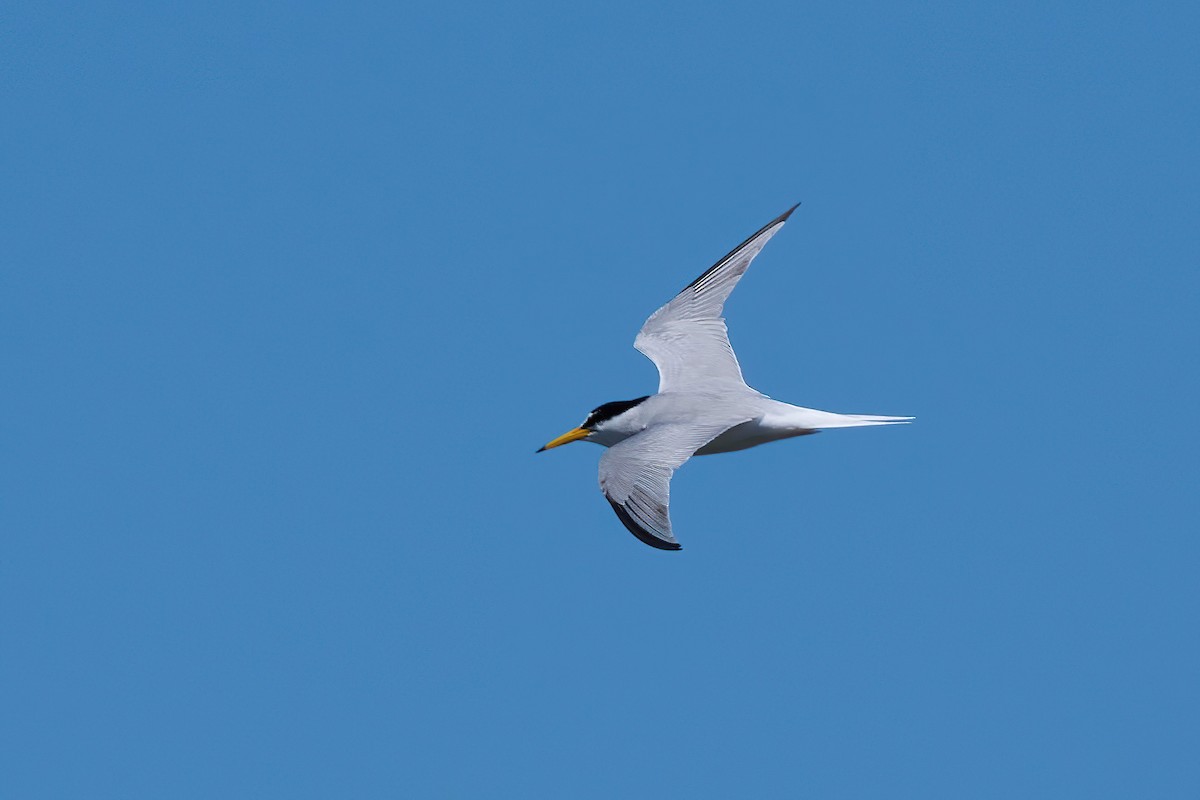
[(703, 405)]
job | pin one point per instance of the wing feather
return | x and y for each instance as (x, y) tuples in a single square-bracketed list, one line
[(687, 339), (635, 476)]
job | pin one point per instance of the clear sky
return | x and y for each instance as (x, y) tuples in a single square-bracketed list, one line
[(290, 294)]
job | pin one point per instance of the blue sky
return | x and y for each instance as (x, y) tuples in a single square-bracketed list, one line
[(290, 295)]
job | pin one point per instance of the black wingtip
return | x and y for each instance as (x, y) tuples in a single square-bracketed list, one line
[(783, 217), (540, 450), (644, 536)]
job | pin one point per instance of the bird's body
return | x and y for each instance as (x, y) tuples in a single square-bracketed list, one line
[(703, 405), (752, 419)]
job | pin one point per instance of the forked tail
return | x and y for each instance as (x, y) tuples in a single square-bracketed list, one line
[(818, 420), (856, 420)]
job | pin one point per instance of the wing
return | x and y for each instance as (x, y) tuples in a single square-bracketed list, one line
[(635, 476), (687, 339)]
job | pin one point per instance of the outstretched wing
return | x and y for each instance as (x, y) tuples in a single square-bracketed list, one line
[(635, 476), (687, 339)]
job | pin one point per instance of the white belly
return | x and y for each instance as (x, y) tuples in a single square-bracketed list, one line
[(750, 434)]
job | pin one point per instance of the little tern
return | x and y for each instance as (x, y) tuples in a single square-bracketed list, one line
[(703, 405)]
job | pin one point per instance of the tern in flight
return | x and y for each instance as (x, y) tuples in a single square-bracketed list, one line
[(703, 405)]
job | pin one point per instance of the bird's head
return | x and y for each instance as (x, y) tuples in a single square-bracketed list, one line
[(596, 420)]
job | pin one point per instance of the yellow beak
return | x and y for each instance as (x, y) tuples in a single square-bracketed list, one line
[(573, 435)]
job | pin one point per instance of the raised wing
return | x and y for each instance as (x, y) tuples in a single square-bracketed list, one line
[(687, 339), (635, 476)]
